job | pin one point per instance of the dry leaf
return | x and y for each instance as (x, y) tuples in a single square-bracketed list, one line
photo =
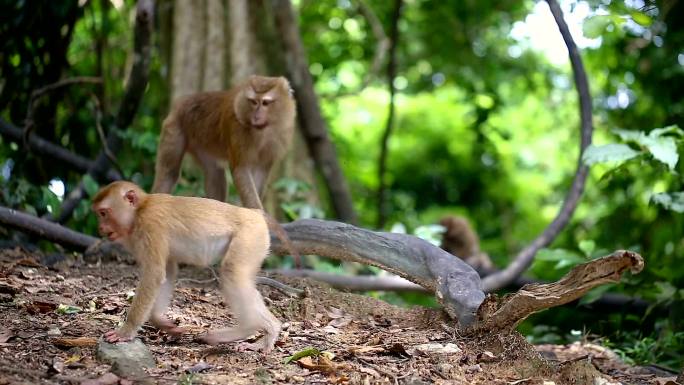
[(369, 371), (74, 342), (37, 307), (334, 312), (5, 335), (358, 350), (106, 379), (322, 364), (340, 322)]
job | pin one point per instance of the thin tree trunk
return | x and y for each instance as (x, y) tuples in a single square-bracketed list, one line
[(311, 121), (240, 42), (215, 47), (526, 256), (186, 65), (391, 74)]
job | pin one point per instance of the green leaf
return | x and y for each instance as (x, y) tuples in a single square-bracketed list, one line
[(613, 152), (664, 149), (641, 18), (587, 246), (670, 201), (90, 185), (594, 26), (562, 257), (306, 352), (67, 309)]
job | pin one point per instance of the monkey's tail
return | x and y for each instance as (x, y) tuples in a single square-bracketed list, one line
[(279, 231)]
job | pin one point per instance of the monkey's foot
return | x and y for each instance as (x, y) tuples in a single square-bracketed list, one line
[(260, 345), (167, 326), (117, 335)]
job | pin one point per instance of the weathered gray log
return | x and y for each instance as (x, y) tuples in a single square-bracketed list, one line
[(457, 285)]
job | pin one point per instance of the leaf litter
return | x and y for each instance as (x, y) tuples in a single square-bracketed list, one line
[(328, 337)]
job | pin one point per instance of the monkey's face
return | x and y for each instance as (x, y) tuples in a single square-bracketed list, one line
[(264, 101), (115, 214)]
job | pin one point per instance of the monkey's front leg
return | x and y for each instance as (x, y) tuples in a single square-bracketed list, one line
[(246, 187), (151, 281), (158, 318)]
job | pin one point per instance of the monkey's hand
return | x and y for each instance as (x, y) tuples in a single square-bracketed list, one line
[(118, 335)]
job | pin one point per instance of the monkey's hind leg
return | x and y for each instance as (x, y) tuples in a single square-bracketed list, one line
[(172, 146), (238, 285), (215, 185)]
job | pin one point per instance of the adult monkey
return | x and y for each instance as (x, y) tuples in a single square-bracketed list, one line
[(251, 126), (162, 230)]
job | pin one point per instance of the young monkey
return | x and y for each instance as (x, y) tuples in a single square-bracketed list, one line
[(162, 231)]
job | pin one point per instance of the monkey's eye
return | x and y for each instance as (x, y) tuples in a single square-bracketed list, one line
[(253, 102), (102, 213), (266, 102)]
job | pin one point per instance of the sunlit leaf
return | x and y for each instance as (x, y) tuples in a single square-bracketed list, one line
[(641, 18), (670, 201), (613, 152), (587, 246), (562, 257), (594, 26), (68, 309), (664, 149), (306, 352)]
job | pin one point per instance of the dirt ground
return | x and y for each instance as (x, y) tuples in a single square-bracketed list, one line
[(361, 340)]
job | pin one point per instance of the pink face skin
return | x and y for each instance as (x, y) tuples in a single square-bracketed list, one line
[(259, 116)]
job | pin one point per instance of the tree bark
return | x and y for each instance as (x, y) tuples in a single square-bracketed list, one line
[(389, 126), (525, 258), (240, 41), (311, 121), (186, 55), (214, 73)]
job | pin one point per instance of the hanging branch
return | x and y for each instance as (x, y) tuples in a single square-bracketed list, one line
[(35, 95), (391, 74), (135, 89), (314, 127), (524, 259), (44, 147)]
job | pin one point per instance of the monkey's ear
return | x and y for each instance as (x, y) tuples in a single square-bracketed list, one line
[(131, 197)]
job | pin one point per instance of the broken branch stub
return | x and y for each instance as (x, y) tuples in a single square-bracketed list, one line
[(456, 285), (506, 313)]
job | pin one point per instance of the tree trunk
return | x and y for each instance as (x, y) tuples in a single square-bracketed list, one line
[(188, 39), (311, 121), (391, 74), (214, 47)]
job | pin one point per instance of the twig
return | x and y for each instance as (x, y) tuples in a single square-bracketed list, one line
[(525, 257), (103, 140), (28, 123)]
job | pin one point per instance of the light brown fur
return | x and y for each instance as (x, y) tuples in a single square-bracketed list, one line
[(161, 231)]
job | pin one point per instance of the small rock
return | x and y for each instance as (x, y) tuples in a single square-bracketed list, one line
[(54, 331), (445, 368), (474, 369), (433, 348), (127, 358)]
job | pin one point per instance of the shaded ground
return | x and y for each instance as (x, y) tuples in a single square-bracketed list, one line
[(364, 340)]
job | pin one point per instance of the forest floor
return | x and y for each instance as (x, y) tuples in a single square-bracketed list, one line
[(363, 340)]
